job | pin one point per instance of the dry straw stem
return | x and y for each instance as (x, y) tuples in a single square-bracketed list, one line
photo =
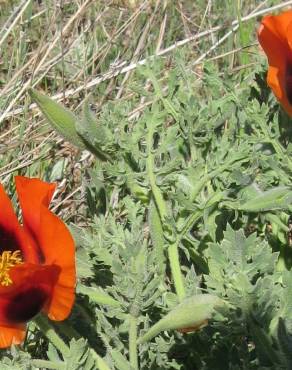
[(13, 19), (225, 37), (45, 51), (121, 68), (38, 59)]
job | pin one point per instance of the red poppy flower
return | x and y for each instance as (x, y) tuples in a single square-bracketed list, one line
[(275, 37), (37, 261)]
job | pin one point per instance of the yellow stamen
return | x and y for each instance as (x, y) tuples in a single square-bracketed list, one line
[(8, 259)]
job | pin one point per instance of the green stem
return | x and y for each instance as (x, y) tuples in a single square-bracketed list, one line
[(209, 176), (166, 102), (156, 233), (99, 361), (45, 326), (162, 210), (50, 333), (48, 365), (150, 171), (133, 343), (189, 223), (173, 256)]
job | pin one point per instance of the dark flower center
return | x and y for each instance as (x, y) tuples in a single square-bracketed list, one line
[(288, 82), (8, 240), (25, 305)]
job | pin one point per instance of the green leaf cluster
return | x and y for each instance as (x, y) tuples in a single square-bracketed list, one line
[(188, 225)]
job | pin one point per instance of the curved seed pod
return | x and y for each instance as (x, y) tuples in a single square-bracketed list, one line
[(60, 118), (193, 312)]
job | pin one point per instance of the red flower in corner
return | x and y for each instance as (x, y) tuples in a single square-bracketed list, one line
[(37, 261), (275, 37)]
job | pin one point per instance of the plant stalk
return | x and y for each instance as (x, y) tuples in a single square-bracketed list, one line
[(155, 189), (162, 210), (57, 341), (133, 343), (50, 333), (173, 256)]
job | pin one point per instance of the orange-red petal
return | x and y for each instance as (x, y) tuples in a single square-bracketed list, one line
[(54, 240), (276, 49), (59, 249), (275, 39), (10, 335), (278, 24), (32, 194), (12, 235)]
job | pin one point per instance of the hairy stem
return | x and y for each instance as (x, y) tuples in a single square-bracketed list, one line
[(156, 233), (176, 271), (133, 343), (45, 326), (155, 189), (162, 210), (50, 333)]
